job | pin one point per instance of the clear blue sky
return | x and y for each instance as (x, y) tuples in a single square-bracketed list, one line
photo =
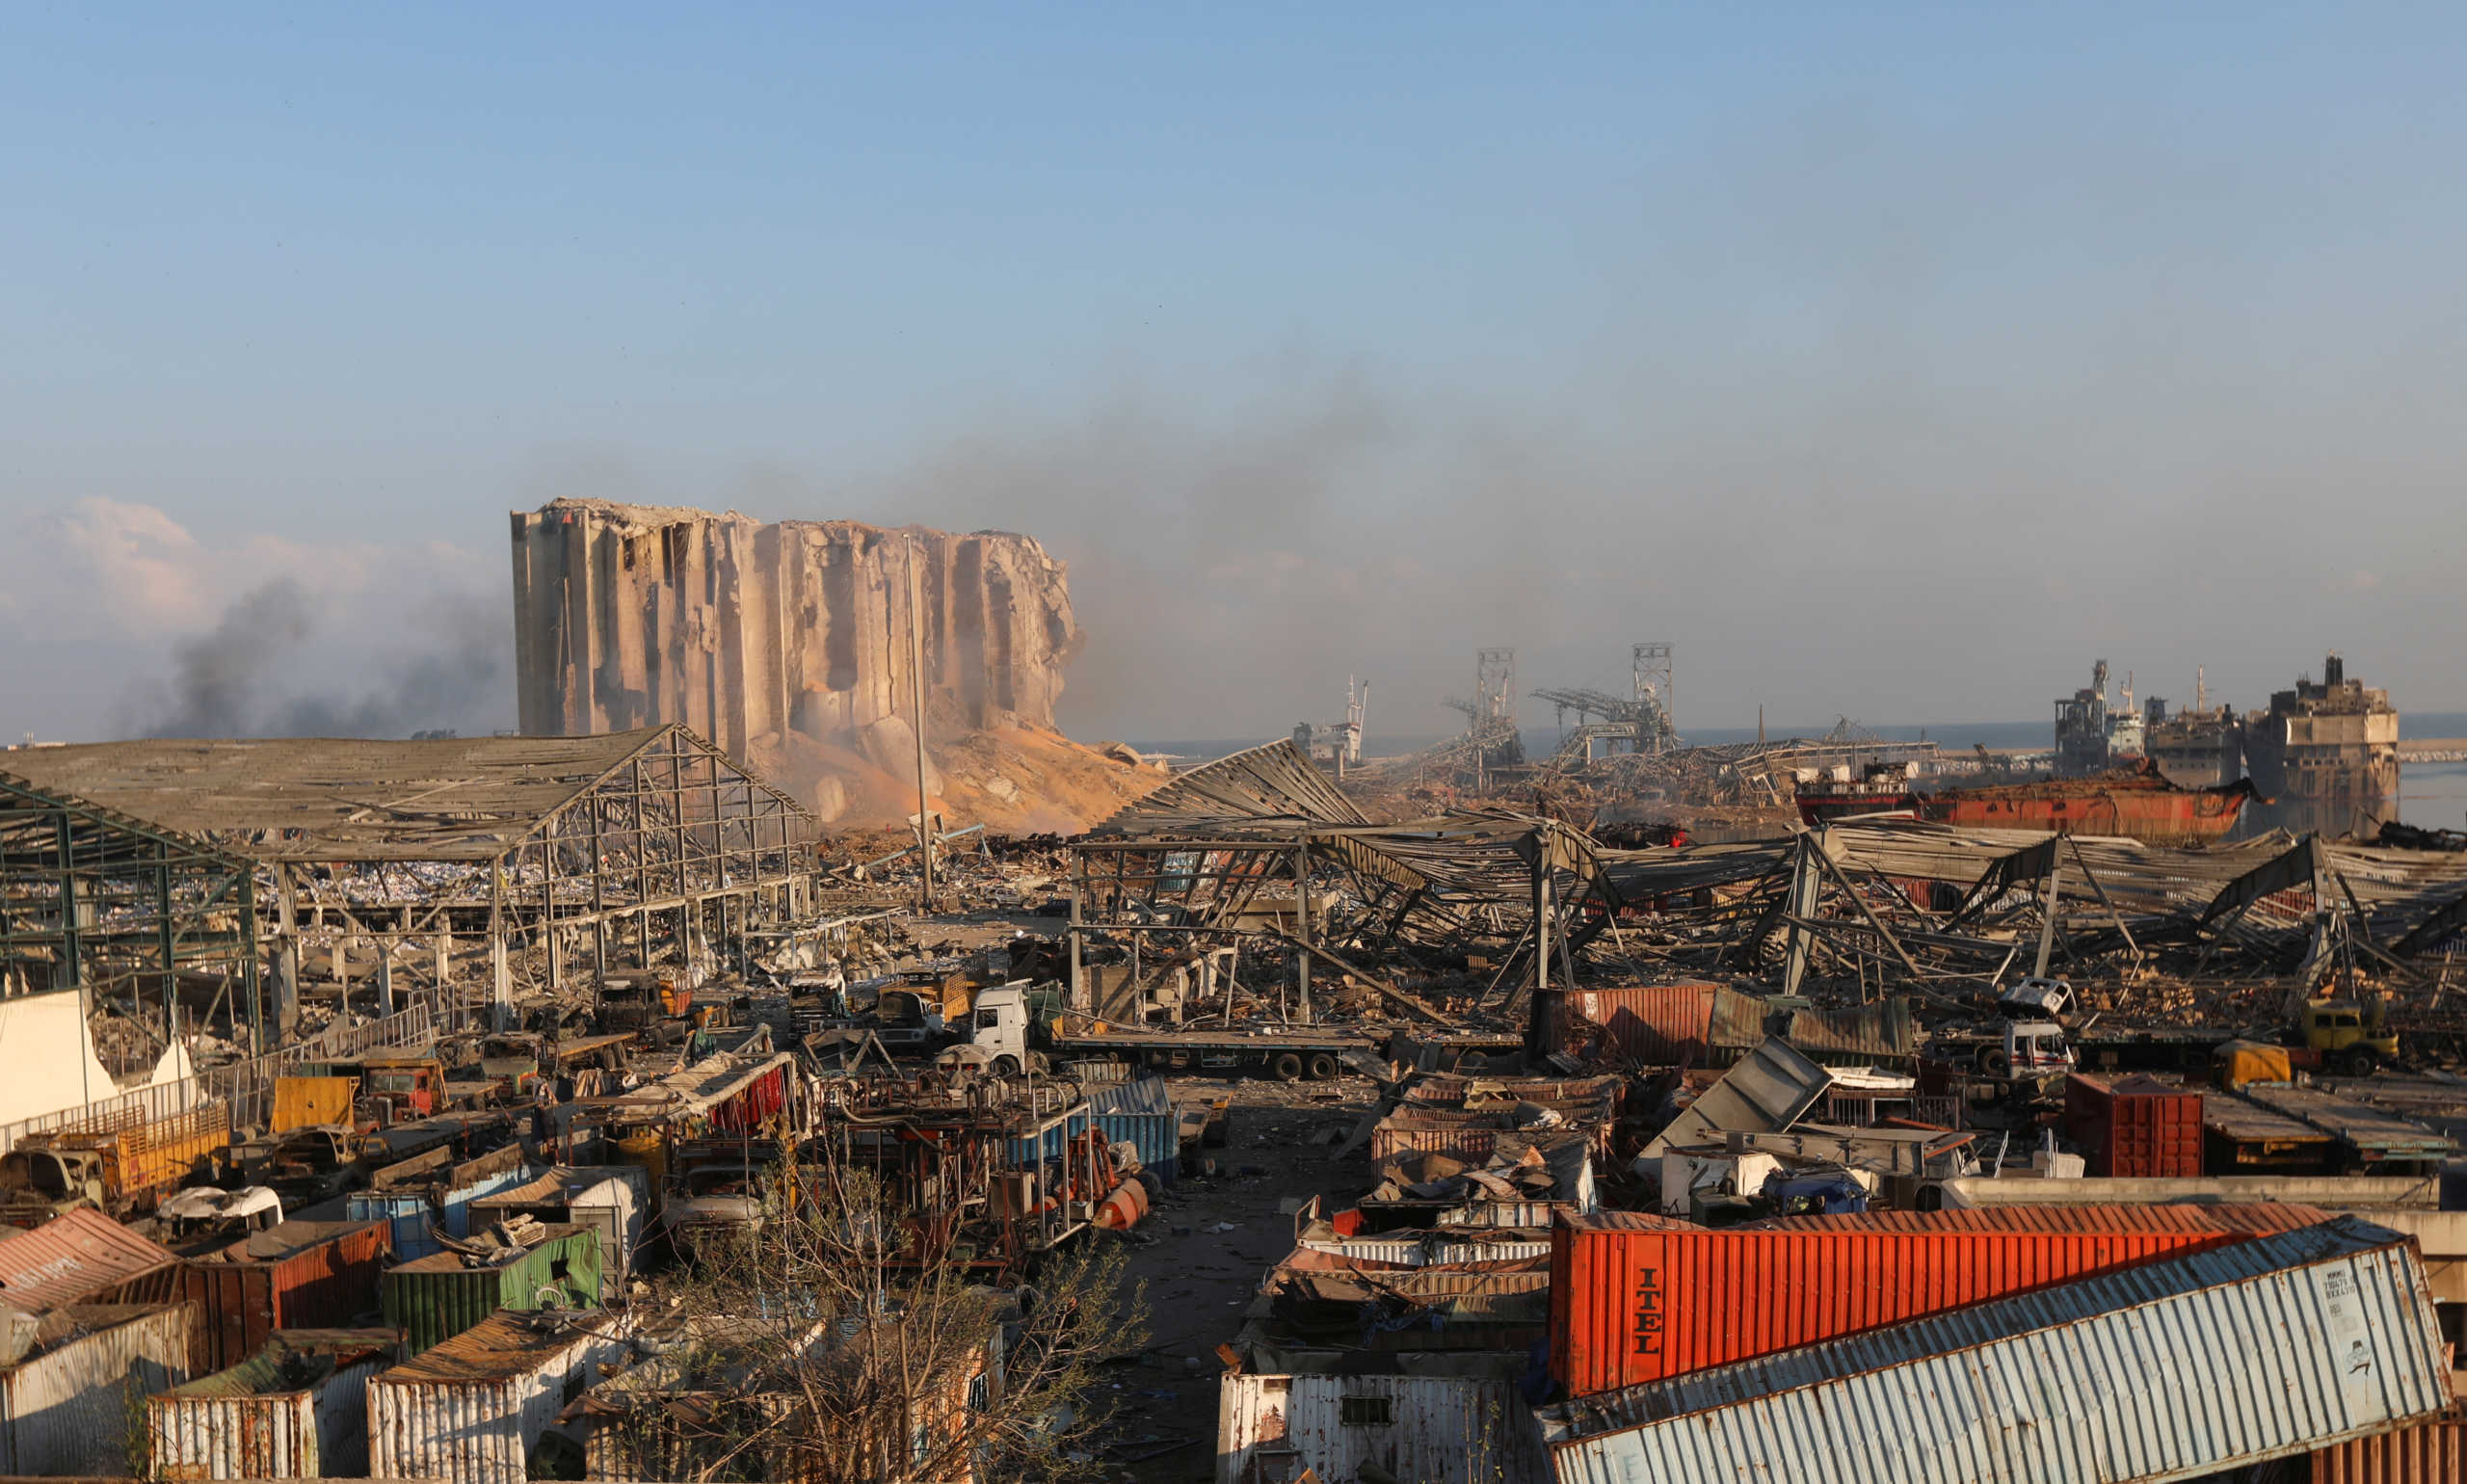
[(1890, 360)]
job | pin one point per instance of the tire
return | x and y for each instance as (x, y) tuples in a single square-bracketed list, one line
[(1324, 1067), (1006, 1065), (1994, 1063), (2358, 1061), (1287, 1067)]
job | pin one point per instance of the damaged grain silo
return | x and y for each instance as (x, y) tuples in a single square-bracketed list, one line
[(790, 643)]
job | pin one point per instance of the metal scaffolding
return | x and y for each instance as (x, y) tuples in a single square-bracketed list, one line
[(96, 900), (463, 861)]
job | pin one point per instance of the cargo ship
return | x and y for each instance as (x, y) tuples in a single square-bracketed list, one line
[(2199, 747), (2137, 802), (2335, 742)]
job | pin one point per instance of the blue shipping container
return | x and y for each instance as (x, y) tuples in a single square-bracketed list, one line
[(409, 1216)]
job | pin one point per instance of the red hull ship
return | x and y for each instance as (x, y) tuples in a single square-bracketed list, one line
[(2136, 802)]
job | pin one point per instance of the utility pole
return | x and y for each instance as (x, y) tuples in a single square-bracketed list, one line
[(916, 697)]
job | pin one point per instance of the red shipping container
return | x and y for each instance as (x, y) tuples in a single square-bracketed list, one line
[(301, 1275), (2137, 1129), (1634, 1299), (1658, 1025)]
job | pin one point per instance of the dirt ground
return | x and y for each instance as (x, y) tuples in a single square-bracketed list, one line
[(1199, 1281)]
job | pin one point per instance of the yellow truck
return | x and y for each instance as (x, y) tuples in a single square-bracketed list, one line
[(122, 1165)]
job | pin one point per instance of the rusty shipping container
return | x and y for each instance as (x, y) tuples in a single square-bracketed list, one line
[(434, 1298), (84, 1258), (298, 1409), (1633, 1303), (1658, 1025), (65, 1406), (301, 1275), (2138, 1128), (473, 1410), (2429, 1453)]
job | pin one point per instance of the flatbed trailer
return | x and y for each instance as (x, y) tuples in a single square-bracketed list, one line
[(2368, 1137), (1288, 1055), (2147, 1047), (2244, 1138)]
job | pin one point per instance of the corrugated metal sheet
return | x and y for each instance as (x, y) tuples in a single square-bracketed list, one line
[(1767, 1090), (82, 1258), (471, 1410), (1737, 1023), (297, 1276), (251, 1423), (2433, 1452), (1632, 1304), (434, 1299), (67, 1408), (2179, 1369), (1881, 1031), (1658, 1025), (1428, 1429)]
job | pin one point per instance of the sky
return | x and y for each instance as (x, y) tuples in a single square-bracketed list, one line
[(1890, 362)]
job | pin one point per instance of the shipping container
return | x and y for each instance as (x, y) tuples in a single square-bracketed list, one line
[(2429, 1452), (1656, 1025), (473, 1409), (301, 1275), (411, 1216), (84, 1258), (614, 1200), (1634, 1303), (2174, 1370), (2135, 1128), (1429, 1429), (1140, 1113), (73, 1404), (434, 1298), (297, 1409)]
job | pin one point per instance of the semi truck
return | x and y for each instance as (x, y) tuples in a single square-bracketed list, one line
[(1002, 1037)]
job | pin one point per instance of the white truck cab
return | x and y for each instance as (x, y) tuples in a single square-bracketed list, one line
[(997, 1037)]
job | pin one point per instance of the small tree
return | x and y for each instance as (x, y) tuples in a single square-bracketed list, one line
[(842, 1342)]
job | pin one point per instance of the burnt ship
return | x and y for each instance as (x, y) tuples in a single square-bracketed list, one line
[(2139, 801), (2336, 742)]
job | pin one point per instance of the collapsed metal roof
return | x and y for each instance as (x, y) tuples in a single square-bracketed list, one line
[(330, 799)]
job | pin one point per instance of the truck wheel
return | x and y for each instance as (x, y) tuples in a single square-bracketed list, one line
[(2358, 1061), (1994, 1062), (1287, 1067), (1324, 1067), (1006, 1065)]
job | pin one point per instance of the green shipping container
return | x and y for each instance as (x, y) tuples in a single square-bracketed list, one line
[(434, 1298)]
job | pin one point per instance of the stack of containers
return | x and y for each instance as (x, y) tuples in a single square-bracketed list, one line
[(2137, 1129), (297, 1276), (1637, 1298)]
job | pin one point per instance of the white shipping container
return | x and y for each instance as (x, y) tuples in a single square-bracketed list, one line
[(471, 1410), (76, 1405), (2173, 1371), (245, 1423), (1430, 1429)]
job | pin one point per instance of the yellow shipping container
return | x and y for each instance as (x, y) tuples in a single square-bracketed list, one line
[(300, 1102)]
